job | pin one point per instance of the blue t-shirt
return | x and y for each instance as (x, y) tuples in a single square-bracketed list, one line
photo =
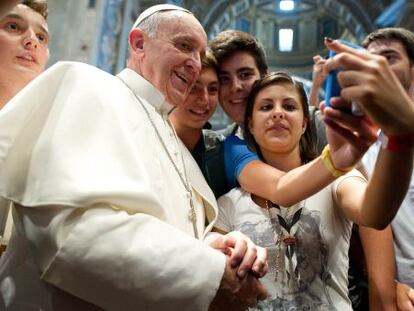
[(236, 156)]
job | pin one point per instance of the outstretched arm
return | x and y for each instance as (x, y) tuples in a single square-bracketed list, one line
[(287, 188), (374, 204), (368, 79), (387, 187), (381, 269)]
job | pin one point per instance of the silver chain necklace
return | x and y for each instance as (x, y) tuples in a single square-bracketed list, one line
[(277, 238), (184, 180)]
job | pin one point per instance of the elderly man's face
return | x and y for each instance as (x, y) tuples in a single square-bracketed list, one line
[(24, 41), (172, 60)]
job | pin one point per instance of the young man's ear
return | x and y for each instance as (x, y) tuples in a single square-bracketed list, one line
[(136, 41)]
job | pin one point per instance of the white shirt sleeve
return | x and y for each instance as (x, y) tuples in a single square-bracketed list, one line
[(226, 204)]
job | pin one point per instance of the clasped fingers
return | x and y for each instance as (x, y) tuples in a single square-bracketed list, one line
[(246, 255)]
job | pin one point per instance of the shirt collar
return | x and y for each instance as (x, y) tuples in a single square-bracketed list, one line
[(144, 89)]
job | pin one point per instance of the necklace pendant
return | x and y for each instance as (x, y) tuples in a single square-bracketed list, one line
[(289, 240), (192, 215)]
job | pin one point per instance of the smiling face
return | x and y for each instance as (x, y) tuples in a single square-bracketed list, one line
[(237, 74), (200, 104), (397, 58), (277, 122), (24, 43), (171, 60)]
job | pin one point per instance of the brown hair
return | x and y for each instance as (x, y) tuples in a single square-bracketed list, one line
[(307, 144), (228, 42), (39, 6), (209, 61), (402, 35)]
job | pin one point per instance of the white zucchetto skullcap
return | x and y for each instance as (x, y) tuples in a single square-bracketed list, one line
[(157, 8)]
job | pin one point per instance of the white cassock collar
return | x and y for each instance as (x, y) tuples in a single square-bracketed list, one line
[(144, 89)]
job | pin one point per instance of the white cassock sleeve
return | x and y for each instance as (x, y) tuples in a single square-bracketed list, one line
[(95, 226)]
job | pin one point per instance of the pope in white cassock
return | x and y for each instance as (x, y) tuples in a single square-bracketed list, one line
[(108, 204)]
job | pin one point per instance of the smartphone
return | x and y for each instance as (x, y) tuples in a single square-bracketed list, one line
[(332, 87)]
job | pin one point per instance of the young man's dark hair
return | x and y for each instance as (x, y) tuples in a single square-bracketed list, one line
[(40, 6), (228, 42), (402, 35)]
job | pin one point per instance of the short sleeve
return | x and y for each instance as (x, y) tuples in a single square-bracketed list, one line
[(352, 174), (225, 218), (236, 156)]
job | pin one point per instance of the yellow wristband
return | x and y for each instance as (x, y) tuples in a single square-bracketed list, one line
[(327, 160)]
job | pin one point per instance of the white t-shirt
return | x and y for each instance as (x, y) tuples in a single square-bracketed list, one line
[(313, 274), (402, 225)]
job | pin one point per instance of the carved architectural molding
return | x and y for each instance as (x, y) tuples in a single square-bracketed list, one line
[(100, 34)]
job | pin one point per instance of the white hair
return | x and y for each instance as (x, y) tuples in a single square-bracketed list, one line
[(150, 24), (151, 18)]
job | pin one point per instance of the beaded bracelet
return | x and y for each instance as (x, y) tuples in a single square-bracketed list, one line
[(327, 160)]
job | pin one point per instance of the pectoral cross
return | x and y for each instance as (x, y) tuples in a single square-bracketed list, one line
[(192, 215)]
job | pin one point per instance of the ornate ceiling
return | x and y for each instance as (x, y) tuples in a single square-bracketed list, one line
[(311, 21)]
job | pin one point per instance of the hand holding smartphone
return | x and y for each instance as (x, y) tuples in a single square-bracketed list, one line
[(332, 88)]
